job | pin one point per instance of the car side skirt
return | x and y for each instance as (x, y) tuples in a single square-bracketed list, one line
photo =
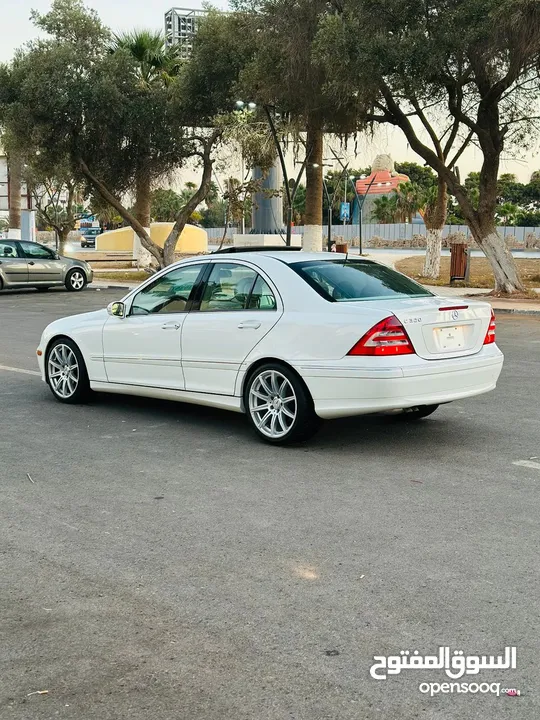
[(224, 402)]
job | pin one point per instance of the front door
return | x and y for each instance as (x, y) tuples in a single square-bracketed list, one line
[(12, 266), (144, 348), (43, 267), (238, 308)]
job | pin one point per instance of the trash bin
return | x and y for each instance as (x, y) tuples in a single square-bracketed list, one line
[(459, 258), (342, 248)]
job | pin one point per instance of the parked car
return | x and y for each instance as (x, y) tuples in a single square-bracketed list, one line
[(286, 338), (88, 236), (28, 264)]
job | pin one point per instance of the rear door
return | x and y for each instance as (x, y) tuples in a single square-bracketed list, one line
[(43, 267), (238, 307), (13, 265)]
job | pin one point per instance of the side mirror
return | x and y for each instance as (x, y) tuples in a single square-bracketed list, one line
[(56, 256), (117, 309)]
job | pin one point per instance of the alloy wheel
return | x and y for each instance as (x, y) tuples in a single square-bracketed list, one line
[(63, 371), (273, 404), (77, 280)]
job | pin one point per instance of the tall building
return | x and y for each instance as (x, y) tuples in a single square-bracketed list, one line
[(180, 27)]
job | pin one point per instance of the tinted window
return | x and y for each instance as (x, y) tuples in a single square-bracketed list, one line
[(169, 293), (228, 287), (340, 281), (31, 250), (8, 250)]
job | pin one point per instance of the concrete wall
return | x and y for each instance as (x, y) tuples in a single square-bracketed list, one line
[(192, 239)]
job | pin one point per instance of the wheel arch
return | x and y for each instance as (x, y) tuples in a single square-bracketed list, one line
[(58, 336), (256, 364)]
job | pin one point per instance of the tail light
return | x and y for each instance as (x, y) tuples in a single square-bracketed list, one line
[(490, 335), (387, 337)]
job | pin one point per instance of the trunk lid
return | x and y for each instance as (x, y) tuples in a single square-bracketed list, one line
[(441, 328)]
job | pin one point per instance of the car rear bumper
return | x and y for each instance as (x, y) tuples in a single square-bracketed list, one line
[(346, 388)]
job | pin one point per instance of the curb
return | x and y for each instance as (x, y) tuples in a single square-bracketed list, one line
[(511, 311), (112, 287)]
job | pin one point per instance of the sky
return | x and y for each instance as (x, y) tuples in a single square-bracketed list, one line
[(129, 14)]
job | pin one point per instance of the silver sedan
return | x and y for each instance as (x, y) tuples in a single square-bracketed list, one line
[(28, 264)]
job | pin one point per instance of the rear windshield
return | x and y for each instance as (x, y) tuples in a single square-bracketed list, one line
[(346, 281)]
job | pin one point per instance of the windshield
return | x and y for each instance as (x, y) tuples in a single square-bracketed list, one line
[(341, 281)]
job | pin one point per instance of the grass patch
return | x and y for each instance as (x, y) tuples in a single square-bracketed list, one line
[(481, 275), (135, 276)]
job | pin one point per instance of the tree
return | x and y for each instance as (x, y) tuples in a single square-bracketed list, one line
[(7, 96), (283, 74), (57, 203), (157, 66), (434, 205), (408, 200), (507, 212), (528, 219), (385, 209), (15, 190), (472, 63), (417, 174), (166, 203), (76, 100)]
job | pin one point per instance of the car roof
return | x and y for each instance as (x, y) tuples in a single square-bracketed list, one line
[(284, 256)]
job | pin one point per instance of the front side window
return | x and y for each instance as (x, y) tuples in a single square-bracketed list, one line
[(8, 250), (37, 252), (228, 287), (340, 281), (170, 293)]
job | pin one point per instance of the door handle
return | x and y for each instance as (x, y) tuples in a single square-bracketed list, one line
[(171, 326), (250, 325), (31, 262)]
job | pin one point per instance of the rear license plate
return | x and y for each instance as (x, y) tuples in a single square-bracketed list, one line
[(450, 338)]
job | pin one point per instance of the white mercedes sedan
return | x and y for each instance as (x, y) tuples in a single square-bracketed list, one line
[(287, 338)]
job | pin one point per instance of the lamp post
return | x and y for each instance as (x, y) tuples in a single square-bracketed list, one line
[(361, 199)]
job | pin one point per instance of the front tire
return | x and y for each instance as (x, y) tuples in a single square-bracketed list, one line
[(66, 372), (279, 406), (76, 280)]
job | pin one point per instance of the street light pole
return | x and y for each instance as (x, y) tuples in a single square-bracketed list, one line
[(290, 199), (329, 202), (361, 199)]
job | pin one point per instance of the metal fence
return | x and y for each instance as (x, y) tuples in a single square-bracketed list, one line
[(390, 231)]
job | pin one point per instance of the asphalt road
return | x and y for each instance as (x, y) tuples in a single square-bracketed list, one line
[(165, 564)]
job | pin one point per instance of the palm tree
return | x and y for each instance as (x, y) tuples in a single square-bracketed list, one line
[(409, 200), (158, 64), (507, 212), (385, 209)]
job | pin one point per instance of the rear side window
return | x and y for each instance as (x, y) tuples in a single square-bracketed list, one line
[(340, 281), (8, 250)]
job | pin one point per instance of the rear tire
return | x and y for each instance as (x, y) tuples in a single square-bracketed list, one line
[(417, 413), (76, 280), (279, 406), (66, 372)]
